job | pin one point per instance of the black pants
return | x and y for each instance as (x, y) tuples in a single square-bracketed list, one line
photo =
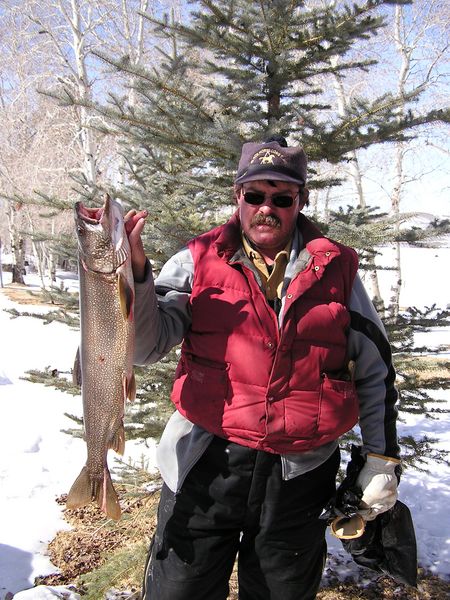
[(234, 501)]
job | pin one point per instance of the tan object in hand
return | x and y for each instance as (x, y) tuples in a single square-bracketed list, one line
[(347, 528)]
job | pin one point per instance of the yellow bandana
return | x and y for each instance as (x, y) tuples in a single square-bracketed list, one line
[(272, 281)]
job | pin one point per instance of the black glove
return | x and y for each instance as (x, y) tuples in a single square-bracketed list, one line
[(342, 511)]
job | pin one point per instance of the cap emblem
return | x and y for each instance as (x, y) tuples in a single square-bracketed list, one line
[(266, 156)]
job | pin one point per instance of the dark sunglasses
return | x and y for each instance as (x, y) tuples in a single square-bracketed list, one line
[(281, 201)]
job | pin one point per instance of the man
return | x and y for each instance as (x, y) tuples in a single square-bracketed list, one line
[(282, 352)]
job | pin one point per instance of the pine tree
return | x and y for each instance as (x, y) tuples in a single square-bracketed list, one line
[(240, 71)]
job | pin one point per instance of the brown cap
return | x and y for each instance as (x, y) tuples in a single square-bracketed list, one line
[(270, 160)]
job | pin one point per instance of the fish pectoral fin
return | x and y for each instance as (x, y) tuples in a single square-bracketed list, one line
[(107, 498), (131, 388), (126, 297), (80, 493), (118, 442)]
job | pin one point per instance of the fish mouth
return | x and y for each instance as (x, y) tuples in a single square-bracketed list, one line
[(94, 216), (101, 235)]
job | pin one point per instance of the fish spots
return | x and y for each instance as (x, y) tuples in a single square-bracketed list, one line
[(107, 349)]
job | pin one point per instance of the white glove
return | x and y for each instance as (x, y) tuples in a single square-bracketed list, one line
[(378, 483)]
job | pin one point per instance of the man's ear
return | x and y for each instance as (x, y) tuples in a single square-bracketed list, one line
[(303, 198), (236, 193)]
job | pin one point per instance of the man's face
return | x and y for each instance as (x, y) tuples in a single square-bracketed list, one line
[(269, 227)]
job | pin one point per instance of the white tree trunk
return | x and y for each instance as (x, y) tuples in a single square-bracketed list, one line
[(51, 258), (395, 204), (17, 244), (400, 151), (1, 267), (356, 177), (37, 252), (84, 91), (135, 51)]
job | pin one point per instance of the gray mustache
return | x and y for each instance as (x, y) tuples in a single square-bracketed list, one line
[(269, 220)]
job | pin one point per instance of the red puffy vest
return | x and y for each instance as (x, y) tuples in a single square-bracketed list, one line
[(242, 377)]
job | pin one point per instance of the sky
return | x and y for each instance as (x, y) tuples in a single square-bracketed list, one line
[(39, 462)]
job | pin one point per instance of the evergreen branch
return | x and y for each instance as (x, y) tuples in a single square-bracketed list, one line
[(188, 33), (391, 103), (268, 34), (51, 378), (69, 99), (60, 316), (176, 92), (350, 19)]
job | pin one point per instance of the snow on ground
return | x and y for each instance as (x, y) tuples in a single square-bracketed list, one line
[(39, 462), (423, 275)]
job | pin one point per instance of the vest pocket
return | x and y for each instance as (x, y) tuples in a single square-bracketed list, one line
[(339, 406), (203, 390), (302, 413)]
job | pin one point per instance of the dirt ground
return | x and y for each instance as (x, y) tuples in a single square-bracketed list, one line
[(92, 539)]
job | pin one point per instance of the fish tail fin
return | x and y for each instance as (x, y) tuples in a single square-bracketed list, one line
[(118, 441), (84, 490), (107, 499), (80, 493)]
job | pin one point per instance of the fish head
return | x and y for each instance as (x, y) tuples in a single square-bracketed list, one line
[(102, 241)]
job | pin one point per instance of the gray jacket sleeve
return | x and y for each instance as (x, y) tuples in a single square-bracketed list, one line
[(162, 310), (374, 375)]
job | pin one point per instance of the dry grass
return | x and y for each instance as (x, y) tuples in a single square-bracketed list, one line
[(93, 538), (375, 587), (429, 367), (22, 294)]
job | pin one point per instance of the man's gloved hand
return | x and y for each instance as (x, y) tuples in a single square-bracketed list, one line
[(378, 482)]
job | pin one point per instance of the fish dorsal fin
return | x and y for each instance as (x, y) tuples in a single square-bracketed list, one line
[(126, 297), (76, 371)]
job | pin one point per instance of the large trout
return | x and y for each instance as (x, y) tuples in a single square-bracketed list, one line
[(106, 350)]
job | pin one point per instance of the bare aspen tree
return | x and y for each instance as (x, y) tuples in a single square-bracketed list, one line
[(37, 146), (354, 173), (135, 43), (1, 265), (409, 52), (126, 37), (17, 242), (79, 29), (400, 151), (68, 25), (15, 134), (420, 52)]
